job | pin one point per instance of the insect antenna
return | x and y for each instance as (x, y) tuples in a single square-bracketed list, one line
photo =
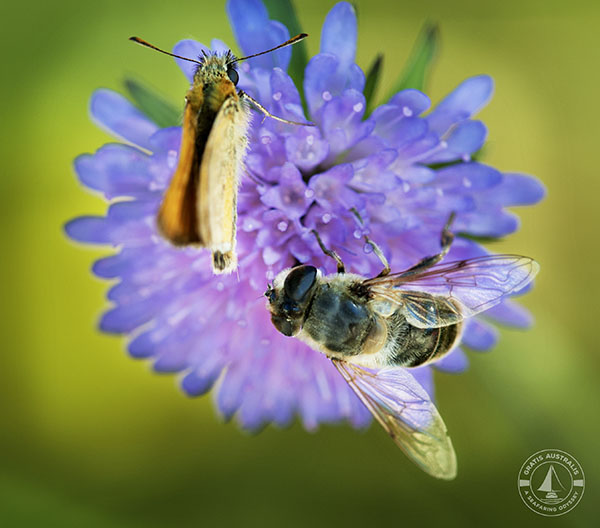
[(152, 46), (289, 42)]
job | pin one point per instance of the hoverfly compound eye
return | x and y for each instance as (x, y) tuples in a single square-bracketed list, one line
[(299, 282), (233, 76)]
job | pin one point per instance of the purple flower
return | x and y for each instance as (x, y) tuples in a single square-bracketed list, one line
[(404, 167)]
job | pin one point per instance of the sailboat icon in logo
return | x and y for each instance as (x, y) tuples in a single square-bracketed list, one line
[(551, 486)]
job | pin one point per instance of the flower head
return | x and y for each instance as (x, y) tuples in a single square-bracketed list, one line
[(405, 168)]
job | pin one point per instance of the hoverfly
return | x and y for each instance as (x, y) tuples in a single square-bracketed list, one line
[(372, 329)]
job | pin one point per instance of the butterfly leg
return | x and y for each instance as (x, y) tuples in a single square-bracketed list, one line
[(262, 109), (330, 253), (445, 242)]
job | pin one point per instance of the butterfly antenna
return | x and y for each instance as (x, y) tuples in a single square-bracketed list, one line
[(152, 46)]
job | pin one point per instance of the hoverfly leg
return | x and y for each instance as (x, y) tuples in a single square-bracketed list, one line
[(446, 242), (330, 253), (377, 250)]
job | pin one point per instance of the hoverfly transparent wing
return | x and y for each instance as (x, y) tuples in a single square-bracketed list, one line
[(445, 294), (407, 414)]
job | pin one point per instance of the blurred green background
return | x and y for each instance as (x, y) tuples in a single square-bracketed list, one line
[(92, 438)]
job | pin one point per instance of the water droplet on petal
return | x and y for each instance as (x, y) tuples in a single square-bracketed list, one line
[(357, 234), (265, 140), (326, 218), (443, 144), (368, 248), (326, 95), (282, 226), (466, 157), (467, 183), (248, 225), (310, 139), (309, 193), (439, 192), (406, 186), (277, 96), (220, 286), (358, 107), (407, 111)]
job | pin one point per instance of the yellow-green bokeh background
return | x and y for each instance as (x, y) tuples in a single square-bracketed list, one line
[(92, 438)]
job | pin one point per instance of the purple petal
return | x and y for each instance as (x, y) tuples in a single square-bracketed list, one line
[(490, 223), (331, 192), (291, 195), (218, 46), (454, 362), (127, 318), (479, 335), (306, 149), (196, 384), (254, 33), (395, 128), (467, 177), (115, 114), (516, 189), (465, 139), (193, 50), (116, 170), (338, 36), (415, 174), (285, 101), (126, 222), (370, 174), (466, 100), (325, 79), (411, 102), (342, 124), (510, 313), (267, 151), (88, 229), (316, 80)]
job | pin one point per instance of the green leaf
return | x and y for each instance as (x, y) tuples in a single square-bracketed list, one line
[(420, 60), (372, 81), (158, 109), (284, 12)]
